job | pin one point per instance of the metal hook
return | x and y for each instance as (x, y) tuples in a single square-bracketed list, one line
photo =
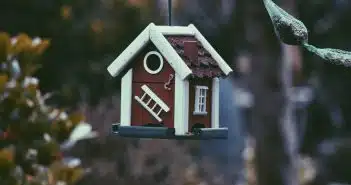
[(166, 85)]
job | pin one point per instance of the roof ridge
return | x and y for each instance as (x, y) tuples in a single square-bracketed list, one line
[(157, 35)]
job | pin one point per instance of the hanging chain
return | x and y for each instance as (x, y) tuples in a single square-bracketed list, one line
[(166, 86), (169, 12)]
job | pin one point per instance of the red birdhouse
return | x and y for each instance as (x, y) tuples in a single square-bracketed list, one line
[(170, 84)]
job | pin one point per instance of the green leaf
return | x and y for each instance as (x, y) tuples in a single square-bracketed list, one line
[(335, 56), (289, 29)]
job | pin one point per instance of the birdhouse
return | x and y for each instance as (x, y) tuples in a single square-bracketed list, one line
[(170, 85)]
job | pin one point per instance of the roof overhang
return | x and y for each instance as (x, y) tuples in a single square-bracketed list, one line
[(122, 61), (155, 34)]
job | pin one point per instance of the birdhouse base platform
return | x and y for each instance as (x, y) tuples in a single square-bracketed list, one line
[(169, 133)]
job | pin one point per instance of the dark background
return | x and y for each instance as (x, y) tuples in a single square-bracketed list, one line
[(86, 35)]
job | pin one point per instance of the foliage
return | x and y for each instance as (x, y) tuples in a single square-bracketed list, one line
[(31, 131), (144, 161), (85, 37)]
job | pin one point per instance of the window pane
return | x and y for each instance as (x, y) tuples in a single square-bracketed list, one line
[(197, 101), (200, 102)]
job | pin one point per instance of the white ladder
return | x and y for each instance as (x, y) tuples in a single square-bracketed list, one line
[(151, 103)]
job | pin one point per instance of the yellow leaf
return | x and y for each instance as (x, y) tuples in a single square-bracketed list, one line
[(7, 154), (97, 26), (5, 44), (66, 12), (40, 48), (68, 125), (23, 43), (76, 117), (61, 172)]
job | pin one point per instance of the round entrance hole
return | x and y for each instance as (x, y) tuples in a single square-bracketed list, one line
[(153, 62)]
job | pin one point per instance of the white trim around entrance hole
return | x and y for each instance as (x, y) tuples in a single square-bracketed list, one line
[(147, 67)]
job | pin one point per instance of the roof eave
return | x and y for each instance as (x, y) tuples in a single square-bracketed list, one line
[(119, 64), (176, 30), (156, 35), (169, 53)]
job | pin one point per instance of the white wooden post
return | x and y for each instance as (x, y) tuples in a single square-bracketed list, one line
[(126, 98), (181, 105), (215, 103)]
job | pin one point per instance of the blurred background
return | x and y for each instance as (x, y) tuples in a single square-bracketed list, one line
[(63, 48)]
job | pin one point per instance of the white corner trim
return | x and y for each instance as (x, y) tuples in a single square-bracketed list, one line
[(181, 106), (117, 66), (221, 63), (126, 99), (215, 103), (154, 97), (169, 53), (153, 72), (175, 30)]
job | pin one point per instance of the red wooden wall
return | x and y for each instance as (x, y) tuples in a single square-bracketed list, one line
[(202, 119), (141, 116)]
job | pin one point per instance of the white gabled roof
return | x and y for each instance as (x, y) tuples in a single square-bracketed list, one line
[(155, 34)]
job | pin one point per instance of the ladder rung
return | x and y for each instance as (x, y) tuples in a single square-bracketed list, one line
[(153, 96), (154, 106), (148, 109), (159, 112), (142, 97), (148, 102)]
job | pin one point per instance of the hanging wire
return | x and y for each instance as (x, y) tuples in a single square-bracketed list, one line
[(169, 12)]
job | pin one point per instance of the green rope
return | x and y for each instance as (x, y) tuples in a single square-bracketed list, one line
[(289, 29), (335, 56), (293, 32), (169, 12)]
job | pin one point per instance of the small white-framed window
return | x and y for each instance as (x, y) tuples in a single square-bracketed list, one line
[(200, 100), (153, 62)]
